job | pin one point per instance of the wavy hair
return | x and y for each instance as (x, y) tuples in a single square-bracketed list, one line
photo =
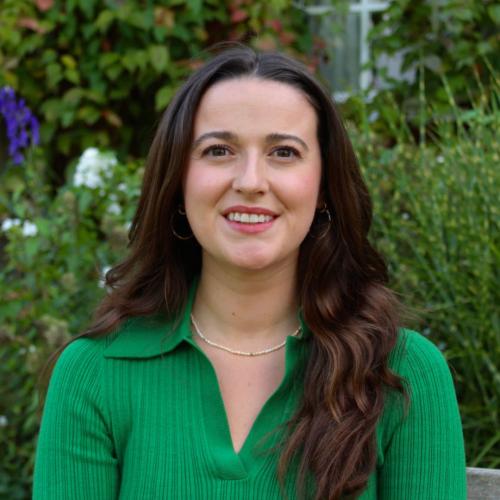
[(342, 280)]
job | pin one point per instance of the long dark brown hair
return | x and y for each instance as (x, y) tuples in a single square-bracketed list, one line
[(342, 280)]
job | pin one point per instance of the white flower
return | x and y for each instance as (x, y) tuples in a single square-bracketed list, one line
[(374, 115), (440, 159), (10, 223), (128, 225), (405, 215), (93, 167), (3, 421), (122, 187), (29, 228), (114, 209)]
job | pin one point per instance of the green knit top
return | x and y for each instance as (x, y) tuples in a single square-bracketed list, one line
[(138, 415)]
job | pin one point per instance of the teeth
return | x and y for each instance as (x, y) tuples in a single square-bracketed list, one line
[(249, 218)]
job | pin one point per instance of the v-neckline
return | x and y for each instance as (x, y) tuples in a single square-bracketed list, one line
[(228, 463)]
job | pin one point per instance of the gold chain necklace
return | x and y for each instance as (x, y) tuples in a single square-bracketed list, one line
[(234, 351)]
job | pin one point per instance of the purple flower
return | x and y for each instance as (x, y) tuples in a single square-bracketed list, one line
[(21, 125)]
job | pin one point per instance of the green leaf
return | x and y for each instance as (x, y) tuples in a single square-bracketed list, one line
[(68, 61), (113, 72), (494, 12), (159, 57), (72, 76), (54, 74), (142, 20), (107, 59), (73, 96), (48, 56), (67, 118), (195, 6), (181, 32), (163, 97), (51, 109), (88, 114), (104, 20)]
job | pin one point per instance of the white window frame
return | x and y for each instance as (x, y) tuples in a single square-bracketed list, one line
[(365, 8)]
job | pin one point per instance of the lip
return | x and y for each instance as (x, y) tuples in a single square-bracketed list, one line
[(242, 209)]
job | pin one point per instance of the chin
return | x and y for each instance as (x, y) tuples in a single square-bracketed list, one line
[(247, 259), (256, 261)]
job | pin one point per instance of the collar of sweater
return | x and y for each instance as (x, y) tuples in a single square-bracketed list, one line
[(151, 336)]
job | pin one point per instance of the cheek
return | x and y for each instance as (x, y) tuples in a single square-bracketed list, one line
[(203, 189), (304, 191), (197, 186)]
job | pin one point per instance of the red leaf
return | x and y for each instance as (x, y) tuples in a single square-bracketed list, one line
[(44, 5), (31, 24), (238, 16), (286, 38), (275, 24)]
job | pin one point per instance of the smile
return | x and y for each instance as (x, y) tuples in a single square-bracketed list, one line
[(246, 218)]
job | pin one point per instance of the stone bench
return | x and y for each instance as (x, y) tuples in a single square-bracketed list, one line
[(483, 484)]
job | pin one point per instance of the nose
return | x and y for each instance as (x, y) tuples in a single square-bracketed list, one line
[(250, 176)]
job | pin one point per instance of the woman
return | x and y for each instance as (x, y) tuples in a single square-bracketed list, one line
[(249, 348)]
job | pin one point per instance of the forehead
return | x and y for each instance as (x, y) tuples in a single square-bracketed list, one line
[(255, 103)]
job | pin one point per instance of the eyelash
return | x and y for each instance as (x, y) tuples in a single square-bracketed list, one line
[(289, 149), (213, 147)]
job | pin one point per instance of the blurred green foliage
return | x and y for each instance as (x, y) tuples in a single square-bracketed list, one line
[(437, 222), (98, 72), (50, 279), (453, 39)]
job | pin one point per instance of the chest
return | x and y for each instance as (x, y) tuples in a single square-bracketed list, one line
[(191, 427), (245, 385)]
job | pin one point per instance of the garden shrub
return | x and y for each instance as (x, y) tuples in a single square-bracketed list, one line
[(56, 252), (98, 72), (455, 40), (437, 221)]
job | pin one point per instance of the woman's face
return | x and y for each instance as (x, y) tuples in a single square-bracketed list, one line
[(253, 175)]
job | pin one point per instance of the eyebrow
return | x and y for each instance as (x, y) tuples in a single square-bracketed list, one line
[(275, 137), (225, 135)]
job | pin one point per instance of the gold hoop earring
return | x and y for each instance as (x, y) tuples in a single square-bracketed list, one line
[(181, 211)]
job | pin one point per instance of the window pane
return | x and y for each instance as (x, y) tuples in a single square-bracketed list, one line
[(343, 68)]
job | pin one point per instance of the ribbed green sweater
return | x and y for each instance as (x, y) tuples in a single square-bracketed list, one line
[(138, 415)]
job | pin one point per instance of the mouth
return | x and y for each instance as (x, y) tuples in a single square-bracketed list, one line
[(245, 218), (247, 215)]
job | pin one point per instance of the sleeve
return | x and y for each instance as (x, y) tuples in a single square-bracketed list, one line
[(424, 455), (75, 456)]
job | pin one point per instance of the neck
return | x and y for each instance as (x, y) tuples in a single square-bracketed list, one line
[(251, 310)]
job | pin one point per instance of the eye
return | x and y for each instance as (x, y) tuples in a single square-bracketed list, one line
[(285, 152), (216, 150)]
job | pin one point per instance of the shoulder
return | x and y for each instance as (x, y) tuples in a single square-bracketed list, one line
[(79, 364), (84, 350), (425, 373), (417, 358), (429, 385)]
